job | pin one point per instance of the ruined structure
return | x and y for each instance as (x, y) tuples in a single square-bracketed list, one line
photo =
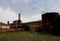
[(48, 18), (16, 22), (4, 26), (45, 23), (35, 25)]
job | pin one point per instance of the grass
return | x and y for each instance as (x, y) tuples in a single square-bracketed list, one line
[(27, 36)]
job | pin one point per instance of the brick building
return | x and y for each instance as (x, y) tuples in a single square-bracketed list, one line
[(4, 26), (46, 22), (34, 25), (48, 18), (16, 22)]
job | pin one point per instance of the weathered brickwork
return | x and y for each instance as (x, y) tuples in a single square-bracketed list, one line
[(48, 18)]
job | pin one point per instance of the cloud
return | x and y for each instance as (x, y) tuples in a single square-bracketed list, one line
[(29, 9), (21, 1), (6, 14), (33, 17)]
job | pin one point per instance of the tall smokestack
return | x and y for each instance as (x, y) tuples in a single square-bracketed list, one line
[(19, 19), (7, 22), (19, 16)]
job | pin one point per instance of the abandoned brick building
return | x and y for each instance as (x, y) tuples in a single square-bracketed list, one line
[(16, 22), (33, 25), (48, 18), (46, 22)]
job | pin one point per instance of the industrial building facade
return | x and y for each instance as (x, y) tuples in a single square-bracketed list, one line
[(46, 22)]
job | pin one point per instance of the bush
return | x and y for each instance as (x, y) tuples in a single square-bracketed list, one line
[(27, 28)]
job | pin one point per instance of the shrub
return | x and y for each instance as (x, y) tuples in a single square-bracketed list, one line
[(27, 28)]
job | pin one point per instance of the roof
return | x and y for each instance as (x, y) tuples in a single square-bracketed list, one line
[(50, 13), (39, 21), (33, 22), (4, 24), (16, 20)]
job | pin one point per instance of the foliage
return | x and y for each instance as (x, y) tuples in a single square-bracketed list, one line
[(19, 26), (27, 28)]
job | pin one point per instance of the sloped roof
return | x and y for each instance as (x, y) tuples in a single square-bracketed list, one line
[(39, 21), (4, 24)]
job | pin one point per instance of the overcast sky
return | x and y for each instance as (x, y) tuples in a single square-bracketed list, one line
[(31, 10)]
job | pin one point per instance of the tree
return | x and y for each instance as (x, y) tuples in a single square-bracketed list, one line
[(27, 28)]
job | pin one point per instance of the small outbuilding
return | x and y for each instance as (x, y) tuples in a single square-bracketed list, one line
[(4, 26)]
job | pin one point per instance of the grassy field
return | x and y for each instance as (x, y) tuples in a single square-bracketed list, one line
[(27, 36)]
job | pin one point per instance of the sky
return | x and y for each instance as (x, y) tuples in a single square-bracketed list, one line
[(30, 10)]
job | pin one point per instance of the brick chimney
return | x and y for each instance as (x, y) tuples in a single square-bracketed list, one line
[(7, 22), (19, 19), (19, 16)]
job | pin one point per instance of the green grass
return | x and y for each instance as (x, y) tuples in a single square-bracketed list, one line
[(27, 36)]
